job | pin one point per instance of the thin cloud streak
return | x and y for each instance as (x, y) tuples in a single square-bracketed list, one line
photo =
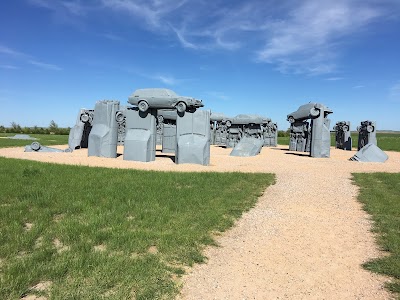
[(45, 65), (305, 37)]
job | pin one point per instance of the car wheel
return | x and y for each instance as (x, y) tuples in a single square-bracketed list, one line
[(370, 128), (35, 146), (228, 123), (143, 106), (119, 116), (314, 112), (84, 117), (181, 107)]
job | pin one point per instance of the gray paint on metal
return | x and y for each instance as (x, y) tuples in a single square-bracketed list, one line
[(370, 153), (366, 133), (37, 147), (318, 138), (103, 137), (343, 135), (141, 133), (248, 146), (79, 134), (193, 137), (169, 138), (22, 137)]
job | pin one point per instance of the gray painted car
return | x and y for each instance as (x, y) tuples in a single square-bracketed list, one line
[(162, 98)]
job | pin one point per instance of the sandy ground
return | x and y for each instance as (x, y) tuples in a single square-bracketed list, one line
[(305, 239)]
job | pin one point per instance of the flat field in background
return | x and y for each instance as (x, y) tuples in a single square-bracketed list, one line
[(44, 139), (94, 233), (386, 141)]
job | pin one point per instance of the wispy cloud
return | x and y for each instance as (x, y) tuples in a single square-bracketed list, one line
[(358, 86), (9, 67), (27, 58), (45, 65), (71, 7), (166, 79), (334, 78), (303, 37), (11, 52)]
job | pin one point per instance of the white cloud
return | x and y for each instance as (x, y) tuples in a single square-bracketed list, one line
[(165, 79), (45, 65), (27, 58), (303, 37), (9, 67), (334, 78), (358, 86), (60, 7), (11, 52)]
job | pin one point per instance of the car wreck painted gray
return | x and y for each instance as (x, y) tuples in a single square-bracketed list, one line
[(162, 98)]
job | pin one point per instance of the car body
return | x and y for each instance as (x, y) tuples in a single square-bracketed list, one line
[(308, 111), (161, 99)]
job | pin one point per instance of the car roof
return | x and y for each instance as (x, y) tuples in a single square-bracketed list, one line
[(151, 92)]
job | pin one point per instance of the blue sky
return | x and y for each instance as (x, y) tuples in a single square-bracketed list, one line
[(266, 57)]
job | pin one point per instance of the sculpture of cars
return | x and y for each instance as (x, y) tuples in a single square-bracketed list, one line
[(162, 98)]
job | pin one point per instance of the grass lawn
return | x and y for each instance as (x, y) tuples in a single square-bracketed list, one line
[(98, 233), (44, 139), (386, 141), (380, 195)]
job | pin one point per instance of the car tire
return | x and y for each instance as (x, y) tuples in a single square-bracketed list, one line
[(119, 116), (85, 118), (35, 146), (143, 106), (181, 107)]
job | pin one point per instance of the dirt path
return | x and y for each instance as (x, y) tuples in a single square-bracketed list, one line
[(298, 243), (305, 239)]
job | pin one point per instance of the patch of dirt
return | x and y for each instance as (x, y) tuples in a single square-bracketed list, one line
[(38, 242), (60, 246), (100, 248), (42, 286), (58, 217), (33, 297), (152, 250), (28, 226), (305, 239)]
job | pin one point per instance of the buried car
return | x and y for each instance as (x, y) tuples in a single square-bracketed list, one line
[(162, 98)]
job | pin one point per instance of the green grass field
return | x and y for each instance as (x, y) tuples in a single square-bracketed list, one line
[(386, 141), (380, 195), (44, 139), (97, 233)]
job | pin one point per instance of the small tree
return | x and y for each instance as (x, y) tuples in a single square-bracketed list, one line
[(53, 127), (15, 127)]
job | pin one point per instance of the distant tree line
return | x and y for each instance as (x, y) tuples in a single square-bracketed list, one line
[(282, 133), (51, 129)]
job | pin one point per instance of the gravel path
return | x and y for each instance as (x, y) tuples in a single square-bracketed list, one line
[(305, 239)]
